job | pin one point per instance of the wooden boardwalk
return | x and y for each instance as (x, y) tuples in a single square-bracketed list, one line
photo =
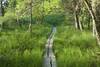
[(49, 59)]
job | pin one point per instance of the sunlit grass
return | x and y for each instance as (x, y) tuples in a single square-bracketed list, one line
[(74, 48), (22, 49)]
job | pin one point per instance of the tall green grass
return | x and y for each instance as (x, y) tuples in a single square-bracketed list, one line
[(22, 49), (74, 48)]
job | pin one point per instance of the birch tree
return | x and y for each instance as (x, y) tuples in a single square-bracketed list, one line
[(93, 8)]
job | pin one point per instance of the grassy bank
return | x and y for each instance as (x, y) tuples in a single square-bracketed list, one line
[(22, 49), (74, 48)]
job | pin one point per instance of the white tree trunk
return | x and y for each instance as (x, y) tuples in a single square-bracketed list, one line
[(0, 7)]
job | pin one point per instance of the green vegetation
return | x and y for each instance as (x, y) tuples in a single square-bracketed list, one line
[(22, 49), (25, 26), (75, 49)]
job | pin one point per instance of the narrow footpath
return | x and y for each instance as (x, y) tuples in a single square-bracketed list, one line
[(49, 59)]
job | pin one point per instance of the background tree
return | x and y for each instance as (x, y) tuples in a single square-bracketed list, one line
[(1, 8), (94, 11), (77, 9)]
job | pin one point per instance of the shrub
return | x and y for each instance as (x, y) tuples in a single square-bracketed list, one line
[(54, 19)]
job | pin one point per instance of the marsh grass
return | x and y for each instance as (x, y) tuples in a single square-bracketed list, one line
[(74, 48), (22, 49)]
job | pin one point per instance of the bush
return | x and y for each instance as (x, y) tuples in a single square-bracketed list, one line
[(54, 19), (9, 21)]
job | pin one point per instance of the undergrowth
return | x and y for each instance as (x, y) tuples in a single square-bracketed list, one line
[(74, 48)]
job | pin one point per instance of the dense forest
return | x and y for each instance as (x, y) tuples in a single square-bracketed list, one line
[(49, 33)]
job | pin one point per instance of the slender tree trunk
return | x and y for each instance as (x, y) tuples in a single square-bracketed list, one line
[(96, 9), (30, 25), (78, 24), (76, 20), (96, 26), (0, 27), (1, 9), (43, 11)]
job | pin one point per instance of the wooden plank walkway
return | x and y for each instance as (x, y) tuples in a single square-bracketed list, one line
[(49, 59)]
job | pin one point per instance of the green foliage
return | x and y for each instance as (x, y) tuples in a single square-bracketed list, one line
[(75, 57), (25, 20), (22, 49), (55, 19), (74, 48), (73, 37), (9, 21)]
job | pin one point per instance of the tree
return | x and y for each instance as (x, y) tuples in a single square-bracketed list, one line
[(96, 9), (93, 8), (1, 8), (77, 9), (73, 7), (30, 25)]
